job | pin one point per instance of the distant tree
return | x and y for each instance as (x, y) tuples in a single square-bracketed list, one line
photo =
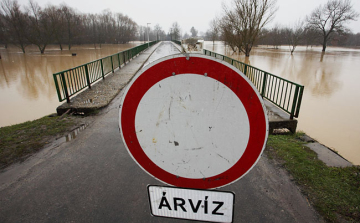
[(186, 36), (276, 36), (311, 37), (193, 32), (330, 18), (142, 33), (350, 39), (92, 24), (294, 35), (3, 31), (42, 24), (158, 31), (242, 24), (16, 23), (56, 21), (213, 32), (71, 21), (124, 28), (175, 31)]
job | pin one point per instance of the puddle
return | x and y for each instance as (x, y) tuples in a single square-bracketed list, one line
[(73, 134)]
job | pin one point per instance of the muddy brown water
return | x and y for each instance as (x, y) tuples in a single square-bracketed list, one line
[(329, 111), (330, 107), (27, 89)]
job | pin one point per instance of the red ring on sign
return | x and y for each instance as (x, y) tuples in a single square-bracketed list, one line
[(218, 71)]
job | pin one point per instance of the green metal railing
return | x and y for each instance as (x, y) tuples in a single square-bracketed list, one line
[(71, 81), (177, 42), (283, 93)]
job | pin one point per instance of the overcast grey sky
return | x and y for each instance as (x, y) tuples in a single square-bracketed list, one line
[(188, 13)]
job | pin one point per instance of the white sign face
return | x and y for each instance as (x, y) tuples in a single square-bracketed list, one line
[(193, 122), (201, 205), (193, 126)]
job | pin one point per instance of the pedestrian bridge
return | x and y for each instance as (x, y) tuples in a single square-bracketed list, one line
[(84, 91)]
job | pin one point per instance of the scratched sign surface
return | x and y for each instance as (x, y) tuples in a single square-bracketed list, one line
[(193, 122)]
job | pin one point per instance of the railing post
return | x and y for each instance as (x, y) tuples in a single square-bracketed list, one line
[(57, 87), (118, 56), (299, 102), (294, 102), (232, 62), (112, 64), (102, 69), (264, 85), (87, 76), (245, 68), (65, 87)]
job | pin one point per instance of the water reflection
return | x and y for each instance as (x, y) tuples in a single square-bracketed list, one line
[(27, 89), (330, 108), (319, 77)]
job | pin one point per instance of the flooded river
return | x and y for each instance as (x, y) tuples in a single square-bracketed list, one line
[(329, 111), (330, 107), (27, 89)]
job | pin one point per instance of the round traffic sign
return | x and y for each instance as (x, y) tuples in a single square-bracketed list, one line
[(194, 122)]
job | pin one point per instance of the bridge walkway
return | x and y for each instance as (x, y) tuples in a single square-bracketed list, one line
[(104, 91)]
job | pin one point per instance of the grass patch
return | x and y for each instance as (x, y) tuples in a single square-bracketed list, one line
[(21, 140), (334, 192)]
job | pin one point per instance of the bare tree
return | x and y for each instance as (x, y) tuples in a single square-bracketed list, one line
[(56, 20), (175, 31), (41, 26), (294, 35), (276, 36), (3, 31), (158, 30), (193, 32), (16, 23), (241, 24), (331, 18), (214, 30), (71, 20)]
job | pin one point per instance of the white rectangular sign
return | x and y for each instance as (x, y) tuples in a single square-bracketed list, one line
[(192, 204)]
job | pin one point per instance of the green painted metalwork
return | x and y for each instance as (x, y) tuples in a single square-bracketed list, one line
[(285, 94), (177, 42), (69, 82)]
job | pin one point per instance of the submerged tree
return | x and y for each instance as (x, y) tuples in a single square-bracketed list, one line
[(41, 26), (330, 18), (242, 24), (294, 35)]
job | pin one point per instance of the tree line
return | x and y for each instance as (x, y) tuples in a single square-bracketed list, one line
[(61, 25), (242, 26)]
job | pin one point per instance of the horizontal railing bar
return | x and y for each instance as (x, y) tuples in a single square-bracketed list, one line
[(73, 80), (269, 85)]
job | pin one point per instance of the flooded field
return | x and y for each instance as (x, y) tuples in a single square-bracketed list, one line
[(330, 106), (27, 89)]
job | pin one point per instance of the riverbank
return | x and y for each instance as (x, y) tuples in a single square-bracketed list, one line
[(333, 191), (20, 141)]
